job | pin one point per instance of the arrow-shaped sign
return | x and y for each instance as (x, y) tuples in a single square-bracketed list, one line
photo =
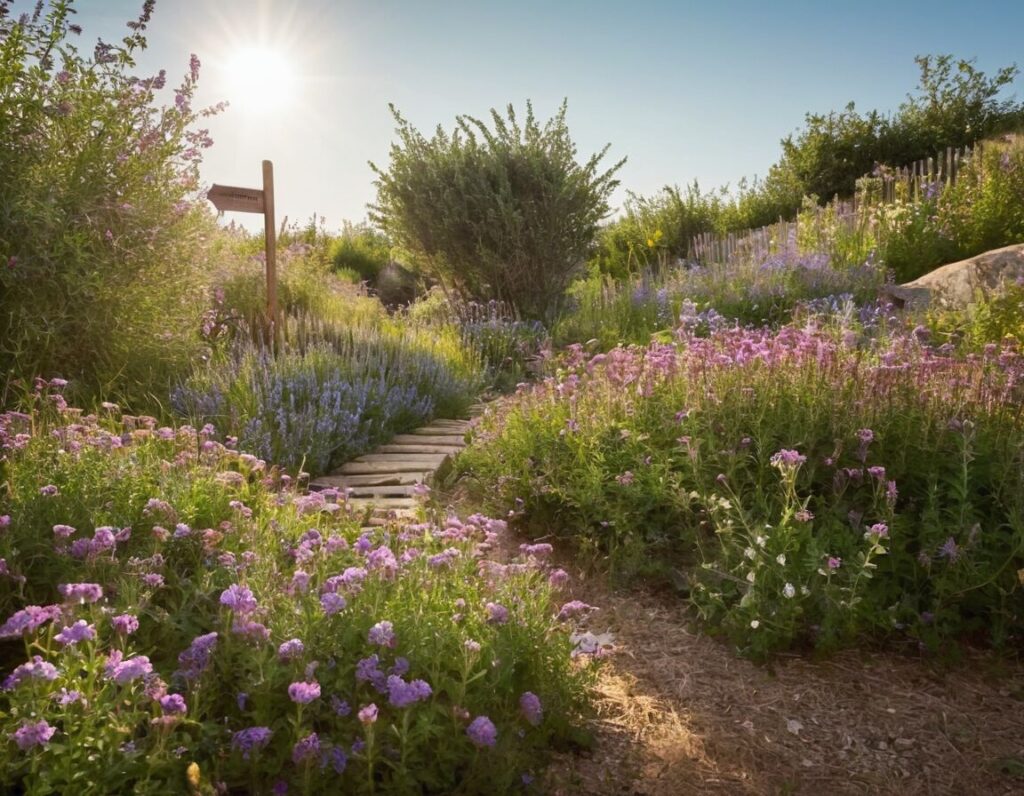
[(228, 197)]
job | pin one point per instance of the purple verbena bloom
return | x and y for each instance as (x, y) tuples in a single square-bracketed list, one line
[(340, 706), (574, 608), (305, 749), (153, 579), (788, 458), (239, 599), (35, 669), (368, 714), (291, 649), (304, 693), (125, 624), (402, 694), (33, 733), (81, 592), (382, 634), (834, 562), (497, 614), (558, 577), (950, 550), (530, 707), (63, 531), (336, 758), (28, 619), (482, 732), (250, 740), (332, 603), (196, 658), (173, 704), (79, 631), (123, 671)]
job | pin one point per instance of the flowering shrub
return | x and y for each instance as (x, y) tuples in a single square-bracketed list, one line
[(100, 238), (177, 618), (330, 392), (762, 292), (670, 454)]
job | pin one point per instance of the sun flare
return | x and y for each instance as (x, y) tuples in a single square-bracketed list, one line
[(260, 79)]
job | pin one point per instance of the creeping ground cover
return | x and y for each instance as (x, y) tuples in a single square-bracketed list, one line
[(839, 477), (178, 617)]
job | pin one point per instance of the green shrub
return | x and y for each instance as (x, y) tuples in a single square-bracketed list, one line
[(99, 238), (362, 249), (505, 213)]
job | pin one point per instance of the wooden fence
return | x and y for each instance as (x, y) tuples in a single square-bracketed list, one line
[(911, 182)]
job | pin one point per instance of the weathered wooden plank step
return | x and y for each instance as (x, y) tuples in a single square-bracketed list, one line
[(449, 424), (427, 439), (404, 458), (386, 467), (441, 431), (372, 479), (385, 503), (409, 447), (394, 490)]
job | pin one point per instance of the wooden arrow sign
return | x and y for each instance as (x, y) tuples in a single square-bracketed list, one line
[(244, 200)]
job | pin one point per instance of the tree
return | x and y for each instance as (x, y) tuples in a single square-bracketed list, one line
[(505, 213)]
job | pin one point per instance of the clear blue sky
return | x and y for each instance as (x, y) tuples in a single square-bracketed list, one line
[(683, 90)]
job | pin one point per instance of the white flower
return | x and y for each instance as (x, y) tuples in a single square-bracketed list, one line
[(781, 558), (760, 541), (750, 576), (755, 624), (750, 553), (804, 591), (788, 591)]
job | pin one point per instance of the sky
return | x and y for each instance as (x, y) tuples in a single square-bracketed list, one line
[(685, 91)]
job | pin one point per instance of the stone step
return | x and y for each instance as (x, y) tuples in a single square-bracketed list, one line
[(394, 490), (426, 439), (385, 503), (409, 447), (458, 432)]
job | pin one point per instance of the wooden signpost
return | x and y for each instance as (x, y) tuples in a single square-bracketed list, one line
[(252, 200)]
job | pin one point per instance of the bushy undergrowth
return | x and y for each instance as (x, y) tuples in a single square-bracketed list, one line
[(101, 246), (328, 392), (762, 292), (835, 478), (178, 619)]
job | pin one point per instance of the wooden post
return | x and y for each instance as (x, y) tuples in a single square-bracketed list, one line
[(270, 239)]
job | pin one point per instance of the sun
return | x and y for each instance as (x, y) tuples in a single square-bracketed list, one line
[(259, 79)]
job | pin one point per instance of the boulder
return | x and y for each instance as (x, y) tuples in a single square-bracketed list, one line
[(958, 285)]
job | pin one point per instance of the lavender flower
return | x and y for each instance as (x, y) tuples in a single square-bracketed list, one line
[(787, 458), (482, 732), (196, 658), (32, 734), (497, 614), (79, 631), (125, 624), (28, 619), (36, 669), (250, 740), (304, 693), (81, 592), (306, 749), (402, 694), (530, 707), (368, 714), (382, 634), (291, 649), (332, 603), (173, 704), (239, 599)]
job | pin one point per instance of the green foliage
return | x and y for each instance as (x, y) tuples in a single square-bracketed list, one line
[(100, 243), (165, 521), (362, 249), (986, 323), (663, 458), (506, 213)]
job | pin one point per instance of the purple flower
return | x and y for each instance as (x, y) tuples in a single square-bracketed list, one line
[(306, 748), (81, 592), (542, 550), (254, 631), (239, 599), (788, 458), (336, 758), (28, 619), (368, 714), (304, 693), (530, 707), (79, 631), (626, 478), (402, 694), (63, 531), (35, 669), (340, 706), (950, 550), (834, 562), (125, 624), (574, 608), (291, 649), (482, 732), (123, 671), (558, 577), (382, 634), (250, 740), (332, 603), (383, 560), (497, 614), (68, 697), (196, 658), (49, 490), (173, 704), (879, 529), (368, 669), (33, 733)]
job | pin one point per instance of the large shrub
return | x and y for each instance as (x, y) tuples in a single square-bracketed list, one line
[(98, 236), (506, 213)]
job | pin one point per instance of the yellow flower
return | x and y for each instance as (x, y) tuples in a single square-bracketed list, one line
[(192, 775), (650, 243)]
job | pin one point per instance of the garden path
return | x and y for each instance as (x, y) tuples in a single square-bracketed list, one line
[(384, 480)]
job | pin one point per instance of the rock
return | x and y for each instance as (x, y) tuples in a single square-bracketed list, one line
[(957, 285)]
